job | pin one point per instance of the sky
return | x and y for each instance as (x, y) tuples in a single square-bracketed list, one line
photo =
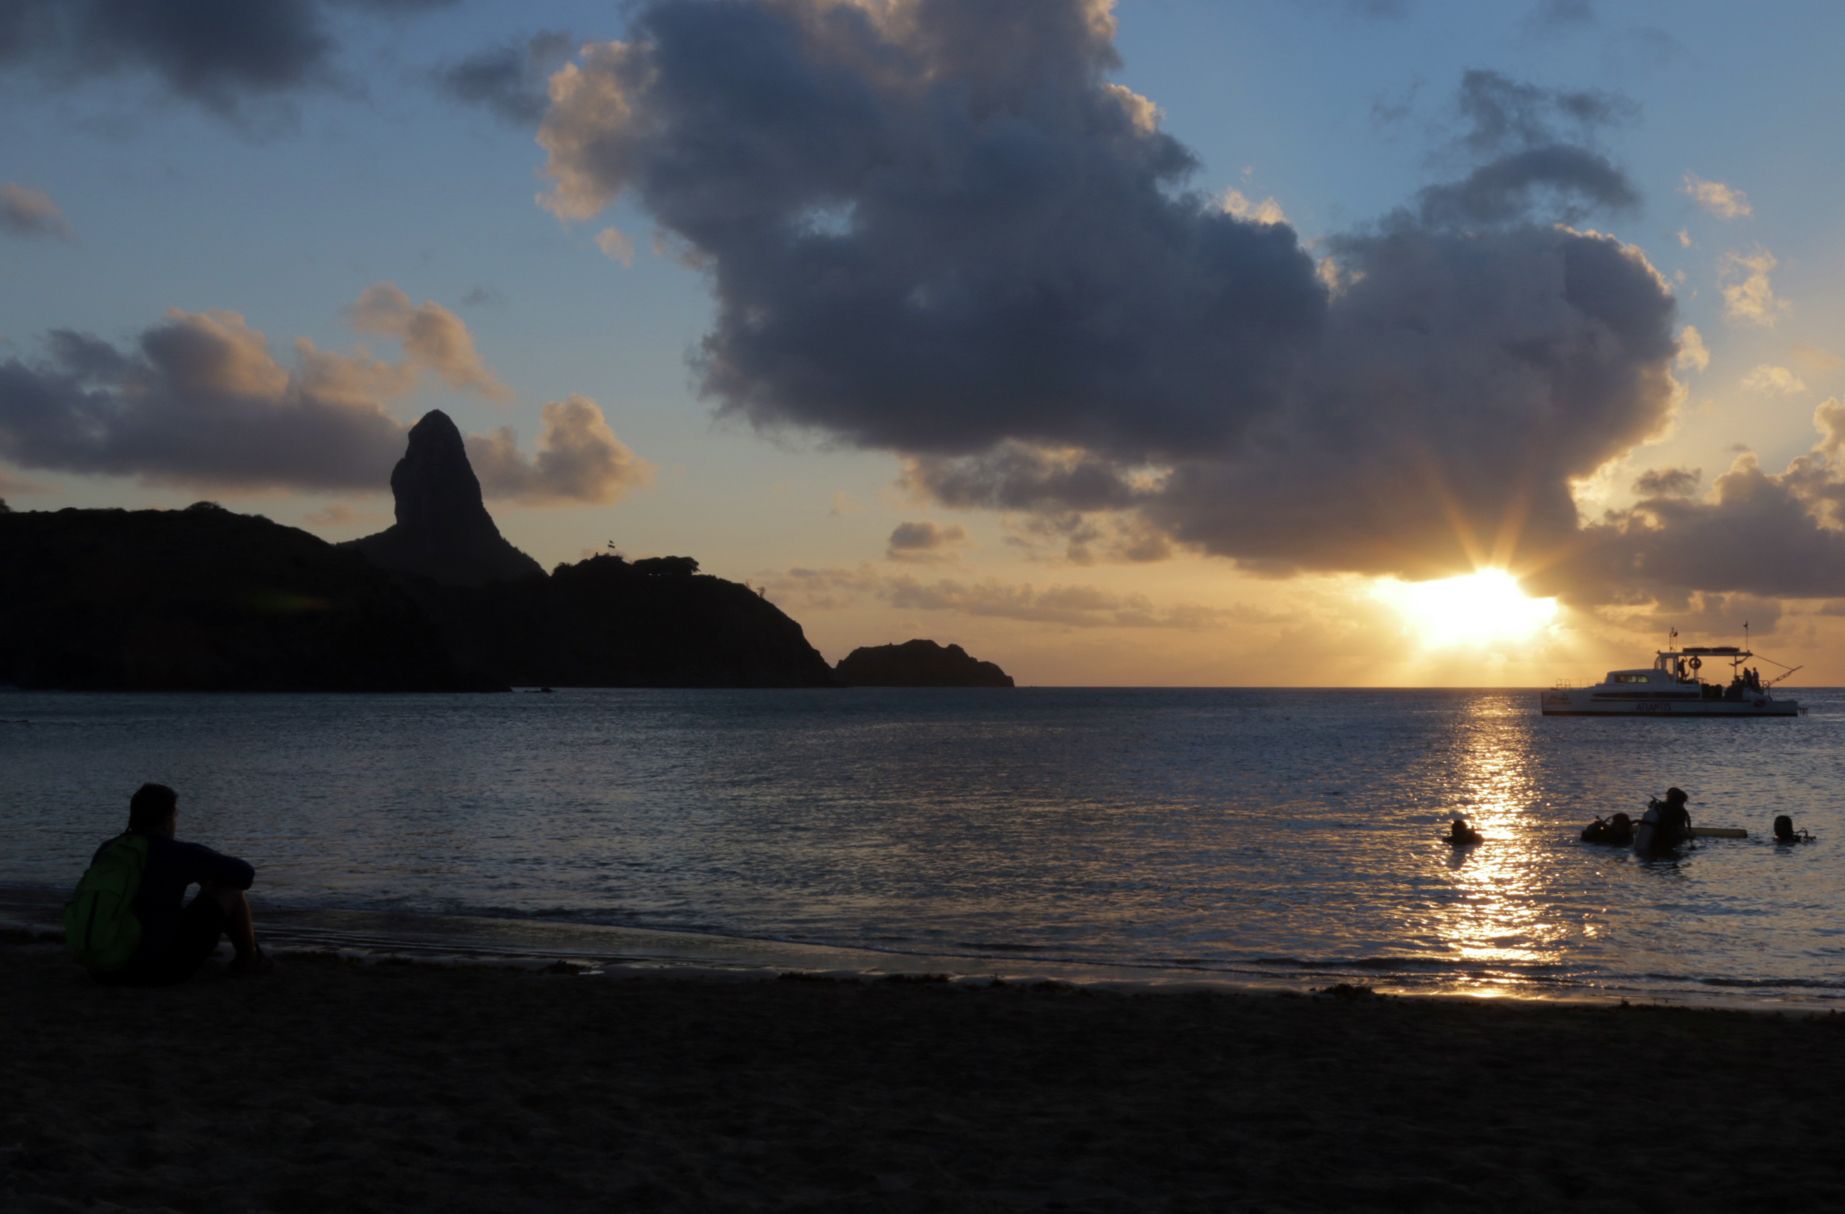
[(1158, 343)]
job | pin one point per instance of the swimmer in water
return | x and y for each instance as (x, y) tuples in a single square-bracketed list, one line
[(1785, 832), (1462, 835)]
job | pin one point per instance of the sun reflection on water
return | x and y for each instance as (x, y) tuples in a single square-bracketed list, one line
[(1498, 915)]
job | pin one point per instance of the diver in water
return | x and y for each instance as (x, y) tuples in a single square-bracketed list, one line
[(1462, 835), (1618, 830), (1670, 821), (1785, 832)]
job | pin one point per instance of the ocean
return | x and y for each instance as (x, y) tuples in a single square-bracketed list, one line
[(1285, 838)]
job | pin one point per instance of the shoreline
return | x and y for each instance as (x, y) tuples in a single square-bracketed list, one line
[(615, 951), (410, 1085)]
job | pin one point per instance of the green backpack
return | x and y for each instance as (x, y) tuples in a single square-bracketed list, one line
[(100, 927)]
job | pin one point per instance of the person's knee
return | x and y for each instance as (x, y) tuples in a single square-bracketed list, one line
[(227, 896)]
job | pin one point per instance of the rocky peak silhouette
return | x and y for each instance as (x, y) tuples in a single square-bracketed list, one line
[(443, 531)]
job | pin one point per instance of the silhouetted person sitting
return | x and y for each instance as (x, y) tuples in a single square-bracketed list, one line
[(175, 936), (1462, 835), (1785, 832)]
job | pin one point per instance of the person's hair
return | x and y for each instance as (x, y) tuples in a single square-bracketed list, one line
[(1784, 827), (149, 807)]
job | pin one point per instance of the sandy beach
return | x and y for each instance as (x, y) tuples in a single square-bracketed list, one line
[(336, 1085)]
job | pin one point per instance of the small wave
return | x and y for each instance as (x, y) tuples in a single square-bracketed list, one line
[(1753, 984), (997, 946)]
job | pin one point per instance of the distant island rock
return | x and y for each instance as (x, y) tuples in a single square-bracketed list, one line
[(601, 622), (204, 599), (443, 531), (918, 663)]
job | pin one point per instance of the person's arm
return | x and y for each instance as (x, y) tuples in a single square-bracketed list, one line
[(204, 866)]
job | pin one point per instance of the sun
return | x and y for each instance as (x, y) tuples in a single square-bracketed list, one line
[(1478, 608)]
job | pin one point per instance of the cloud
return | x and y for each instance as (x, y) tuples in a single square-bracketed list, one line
[(1067, 606), (1533, 144), (28, 212), (509, 79), (1085, 539), (1506, 114), (1813, 360), (1757, 533), (1684, 238), (1693, 355), (579, 460), (932, 230), (341, 515), (1723, 201), (1558, 16), (1748, 295), (925, 541), (435, 338), (200, 400), (1572, 181), (1709, 615), (1237, 203), (11, 485), (1668, 482), (1779, 381), (215, 53), (1015, 476), (948, 235), (615, 246)]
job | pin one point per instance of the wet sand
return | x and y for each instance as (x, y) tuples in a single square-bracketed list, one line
[(334, 1085)]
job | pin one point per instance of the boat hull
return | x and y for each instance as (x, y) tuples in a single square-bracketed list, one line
[(1589, 704)]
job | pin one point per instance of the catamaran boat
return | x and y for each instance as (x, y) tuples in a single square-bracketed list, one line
[(1675, 686)]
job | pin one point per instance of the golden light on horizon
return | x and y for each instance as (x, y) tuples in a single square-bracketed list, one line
[(1478, 608)]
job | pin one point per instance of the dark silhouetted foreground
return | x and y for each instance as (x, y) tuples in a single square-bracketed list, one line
[(207, 600), (332, 1086), (918, 664)]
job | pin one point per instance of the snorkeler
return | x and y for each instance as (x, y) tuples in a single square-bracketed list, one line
[(1785, 832), (1462, 835)]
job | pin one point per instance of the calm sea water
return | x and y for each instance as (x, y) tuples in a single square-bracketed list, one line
[(1266, 836)]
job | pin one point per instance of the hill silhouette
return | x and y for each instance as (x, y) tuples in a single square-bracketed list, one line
[(602, 622), (205, 599), (443, 531), (918, 663)]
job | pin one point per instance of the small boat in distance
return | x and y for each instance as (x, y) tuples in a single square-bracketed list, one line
[(1674, 686)]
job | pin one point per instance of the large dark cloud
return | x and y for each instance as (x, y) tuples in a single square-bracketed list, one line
[(213, 52), (936, 227), (200, 400)]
